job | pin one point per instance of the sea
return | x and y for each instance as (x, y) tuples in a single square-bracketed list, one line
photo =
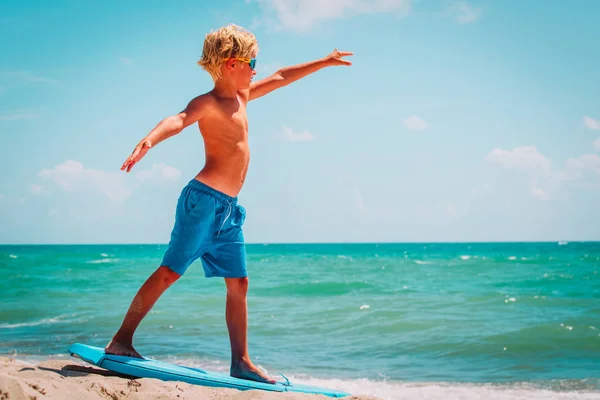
[(391, 320)]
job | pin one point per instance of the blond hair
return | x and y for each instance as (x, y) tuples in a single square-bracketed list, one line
[(228, 41)]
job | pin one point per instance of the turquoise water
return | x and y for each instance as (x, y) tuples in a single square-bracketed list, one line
[(392, 320)]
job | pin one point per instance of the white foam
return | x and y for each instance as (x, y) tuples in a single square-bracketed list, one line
[(45, 321), (12, 256), (465, 257), (386, 390), (567, 327), (103, 261)]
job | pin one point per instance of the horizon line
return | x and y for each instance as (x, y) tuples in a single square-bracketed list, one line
[(317, 243)]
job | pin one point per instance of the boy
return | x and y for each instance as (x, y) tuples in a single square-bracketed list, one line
[(208, 220)]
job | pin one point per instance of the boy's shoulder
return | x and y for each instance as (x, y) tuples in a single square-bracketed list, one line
[(207, 104), (203, 99), (200, 104)]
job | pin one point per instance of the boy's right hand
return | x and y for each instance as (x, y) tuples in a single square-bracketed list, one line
[(140, 151)]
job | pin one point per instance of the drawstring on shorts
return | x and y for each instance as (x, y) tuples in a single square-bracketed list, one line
[(226, 218)]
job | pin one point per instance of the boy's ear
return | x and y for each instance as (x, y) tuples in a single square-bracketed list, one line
[(231, 63)]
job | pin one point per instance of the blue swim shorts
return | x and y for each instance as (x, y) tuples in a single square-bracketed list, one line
[(208, 225)]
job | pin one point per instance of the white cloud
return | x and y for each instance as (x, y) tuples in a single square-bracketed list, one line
[(525, 158), (159, 173), (465, 13), (597, 144), (588, 162), (576, 168), (414, 123), (302, 15), (591, 123), (21, 114), (72, 176), (304, 136), (581, 172)]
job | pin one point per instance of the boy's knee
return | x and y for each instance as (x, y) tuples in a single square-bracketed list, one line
[(237, 286)]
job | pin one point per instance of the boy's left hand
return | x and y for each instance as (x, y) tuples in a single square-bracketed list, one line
[(335, 58)]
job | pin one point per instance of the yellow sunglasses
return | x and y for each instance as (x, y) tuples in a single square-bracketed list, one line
[(251, 61)]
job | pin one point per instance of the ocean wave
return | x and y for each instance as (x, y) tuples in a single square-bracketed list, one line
[(392, 390), (103, 261), (60, 319)]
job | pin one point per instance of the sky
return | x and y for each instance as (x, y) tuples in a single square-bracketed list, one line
[(459, 121)]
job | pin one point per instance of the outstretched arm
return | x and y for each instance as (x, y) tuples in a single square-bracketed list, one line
[(170, 126), (287, 75)]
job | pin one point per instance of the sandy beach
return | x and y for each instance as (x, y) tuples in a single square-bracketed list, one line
[(69, 379)]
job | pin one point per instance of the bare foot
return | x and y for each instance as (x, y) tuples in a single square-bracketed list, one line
[(247, 370), (119, 349)]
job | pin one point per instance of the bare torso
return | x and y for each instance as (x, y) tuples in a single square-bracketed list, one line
[(224, 128)]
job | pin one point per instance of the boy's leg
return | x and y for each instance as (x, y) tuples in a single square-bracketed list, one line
[(226, 258), (194, 217), (236, 314), (144, 300)]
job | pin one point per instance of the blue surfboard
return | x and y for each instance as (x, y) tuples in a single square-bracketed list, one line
[(150, 368)]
